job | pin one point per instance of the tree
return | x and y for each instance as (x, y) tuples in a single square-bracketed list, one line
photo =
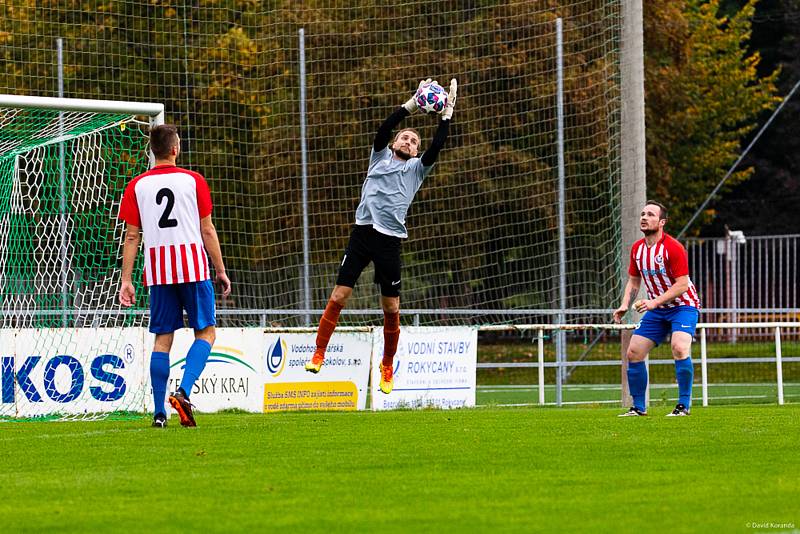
[(484, 227), (703, 96), (766, 204)]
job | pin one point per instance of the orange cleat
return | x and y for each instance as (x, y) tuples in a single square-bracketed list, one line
[(316, 361), (387, 379), (181, 404)]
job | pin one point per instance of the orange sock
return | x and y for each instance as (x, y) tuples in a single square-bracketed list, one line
[(327, 324), (391, 335)]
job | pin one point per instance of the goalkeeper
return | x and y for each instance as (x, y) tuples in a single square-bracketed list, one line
[(394, 175)]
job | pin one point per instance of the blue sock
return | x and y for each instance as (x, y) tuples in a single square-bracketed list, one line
[(195, 363), (637, 384), (684, 373), (159, 375)]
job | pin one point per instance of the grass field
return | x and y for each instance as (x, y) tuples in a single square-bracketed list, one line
[(484, 469)]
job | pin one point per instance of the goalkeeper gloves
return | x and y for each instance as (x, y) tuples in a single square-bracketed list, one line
[(447, 114), (411, 104)]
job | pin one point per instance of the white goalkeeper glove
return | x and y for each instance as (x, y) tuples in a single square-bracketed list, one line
[(447, 114), (411, 104)]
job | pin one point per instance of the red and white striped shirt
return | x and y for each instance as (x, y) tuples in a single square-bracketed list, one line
[(659, 266), (167, 203)]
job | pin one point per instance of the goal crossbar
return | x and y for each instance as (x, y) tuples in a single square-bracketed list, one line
[(153, 110)]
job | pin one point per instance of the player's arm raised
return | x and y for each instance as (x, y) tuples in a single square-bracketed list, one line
[(631, 290), (130, 248), (384, 134), (430, 155), (211, 242)]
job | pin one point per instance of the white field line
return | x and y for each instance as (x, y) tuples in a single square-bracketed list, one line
[(613, 387), (616, 401), (89, 433)]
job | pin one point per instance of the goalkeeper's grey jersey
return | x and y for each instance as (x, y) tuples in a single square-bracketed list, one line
[(388, 191)]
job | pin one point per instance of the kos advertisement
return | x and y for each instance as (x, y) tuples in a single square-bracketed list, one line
[(231, 377), (83, 371), (71, 371), (341, 384), (434, 367)]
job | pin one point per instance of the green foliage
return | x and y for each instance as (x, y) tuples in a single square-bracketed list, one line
[(228, 76), (703, 96), (765, 204)]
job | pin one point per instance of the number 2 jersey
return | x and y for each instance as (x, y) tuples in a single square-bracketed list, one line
[(167, 203)]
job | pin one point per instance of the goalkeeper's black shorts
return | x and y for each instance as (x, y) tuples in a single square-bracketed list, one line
[(368, 245)]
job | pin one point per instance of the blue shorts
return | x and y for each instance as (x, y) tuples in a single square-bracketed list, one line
[(167, 303), (656, 324)]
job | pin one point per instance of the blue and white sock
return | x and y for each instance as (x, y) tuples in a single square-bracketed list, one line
[(159, 375), (684, 373), (195, 363), (637, 384)]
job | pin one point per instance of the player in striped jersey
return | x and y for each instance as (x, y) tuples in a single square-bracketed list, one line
[(394, 176), (672, 305), (171, 207)]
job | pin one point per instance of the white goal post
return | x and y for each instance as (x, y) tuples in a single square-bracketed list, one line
[(152, 109)]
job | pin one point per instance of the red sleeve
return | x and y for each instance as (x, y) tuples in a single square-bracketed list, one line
[(633, 269), (203, 196), (678, 262), (129, 208)]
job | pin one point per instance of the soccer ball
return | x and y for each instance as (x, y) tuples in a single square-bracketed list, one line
[(431, 98)]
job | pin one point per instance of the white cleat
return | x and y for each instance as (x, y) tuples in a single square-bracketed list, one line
[(633, 412), (679, 411)]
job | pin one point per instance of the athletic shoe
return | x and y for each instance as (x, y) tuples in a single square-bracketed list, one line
[(633, 412), (387, 378), (316, 362), (679, 411), (181, 404), (160, 420)]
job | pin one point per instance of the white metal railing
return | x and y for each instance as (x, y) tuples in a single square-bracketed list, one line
[(704, 360), (540, 364), (746, 274)]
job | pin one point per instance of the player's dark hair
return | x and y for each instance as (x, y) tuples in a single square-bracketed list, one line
[(406, 130), (661, 206), (162, 138)]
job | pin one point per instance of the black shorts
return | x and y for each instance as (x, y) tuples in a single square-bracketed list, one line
[(368, 245)]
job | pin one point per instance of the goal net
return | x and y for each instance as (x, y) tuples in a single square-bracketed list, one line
[(66, 352)]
